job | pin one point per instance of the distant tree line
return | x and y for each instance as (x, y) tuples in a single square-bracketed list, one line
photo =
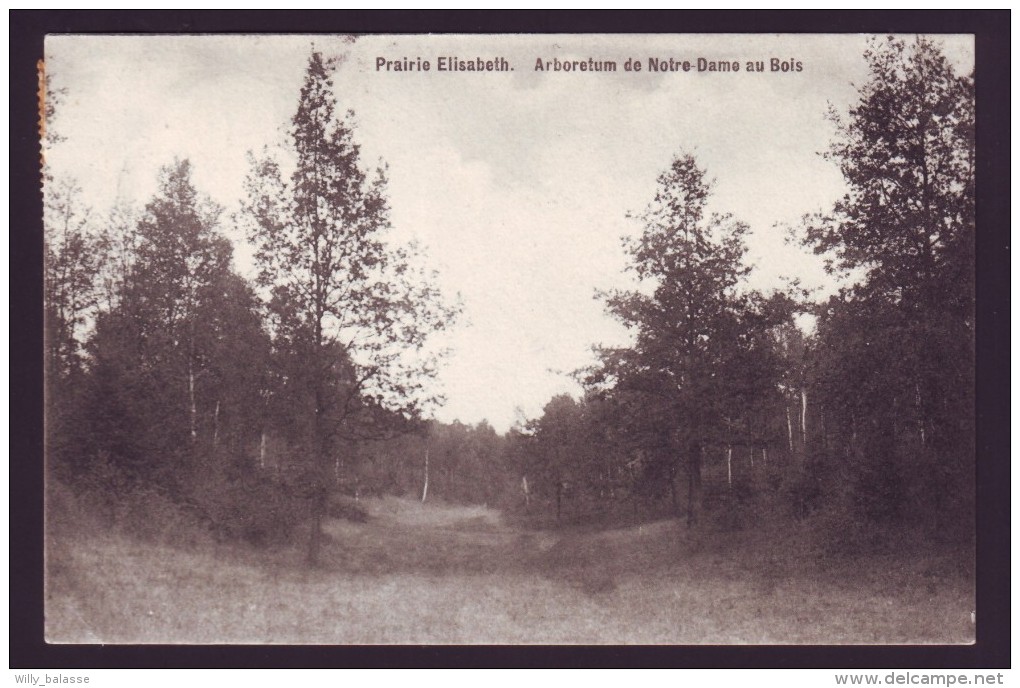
[(174, 385)]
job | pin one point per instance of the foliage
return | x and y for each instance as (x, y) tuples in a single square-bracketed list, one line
[(906, 152), (351, 313), (166, 398), (894, 356), (702, 360), (71, 266), (466, 465), (181, 399)]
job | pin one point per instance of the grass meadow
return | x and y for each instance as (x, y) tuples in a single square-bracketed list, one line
[(443, 574)]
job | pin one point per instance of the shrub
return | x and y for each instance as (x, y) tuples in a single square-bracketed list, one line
[(738, 509), (343, 508), (153, 516), (806, 487), (251, 508)]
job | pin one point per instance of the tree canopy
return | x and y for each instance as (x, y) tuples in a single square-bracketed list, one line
[(699, 337), (895, 352), (250, 405), (355, 310)]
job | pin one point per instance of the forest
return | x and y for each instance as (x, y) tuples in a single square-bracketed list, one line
[(187, 406)]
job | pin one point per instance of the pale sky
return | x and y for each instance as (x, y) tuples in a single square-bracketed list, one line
[(517, 183)]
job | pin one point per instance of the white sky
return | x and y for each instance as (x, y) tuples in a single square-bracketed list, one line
[(517, 183)]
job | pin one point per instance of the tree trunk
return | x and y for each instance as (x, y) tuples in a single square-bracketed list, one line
[(729, 466), (803, 417), (321, 471), (694, 486), (789, 428), (425, 487), (262, 451), (318, 511), (672, 491), (920, 413), (216, 425), (191, 398)]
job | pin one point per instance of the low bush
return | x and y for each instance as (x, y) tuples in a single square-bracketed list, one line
[(225, 503), (252, 509), (343, 508)]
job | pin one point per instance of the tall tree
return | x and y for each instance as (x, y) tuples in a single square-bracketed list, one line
[(690, 360), (181, 261), (906, 151), (70, 296), (557, 465), (358, 306), (153, 347), (70, 275), (70, 258), (117, 248), (907, 223)]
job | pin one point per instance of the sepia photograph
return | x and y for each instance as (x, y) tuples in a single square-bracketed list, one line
[(509, 339)]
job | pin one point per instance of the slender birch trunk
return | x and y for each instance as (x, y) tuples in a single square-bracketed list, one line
[(425, 487), (803, 416), (191, 399), (191, 382), (789, 428), (920, 414), (216, 425)]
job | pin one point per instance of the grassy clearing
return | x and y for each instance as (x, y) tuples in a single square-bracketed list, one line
[(441, 574)]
